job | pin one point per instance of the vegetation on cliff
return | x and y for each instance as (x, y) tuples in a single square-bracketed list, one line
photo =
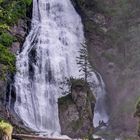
[(10, 13), (6, 130)]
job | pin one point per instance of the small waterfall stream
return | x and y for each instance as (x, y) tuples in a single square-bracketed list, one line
[(49, 56), (100, 114)]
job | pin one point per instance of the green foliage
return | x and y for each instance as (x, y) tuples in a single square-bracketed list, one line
[(11, 11), (66, 100), (6, 39), (28, 2), (1, 1), (83, 63), (5, 56), (5, 126), (7, 59), (3, 26), (6, 129)]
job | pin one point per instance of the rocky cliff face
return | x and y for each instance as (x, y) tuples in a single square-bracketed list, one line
[(137, 114), (15, 21), (76, 111), (17, 31), (113, 36)]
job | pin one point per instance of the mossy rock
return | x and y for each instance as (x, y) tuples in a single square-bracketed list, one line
[(6, 130), (76, 110)]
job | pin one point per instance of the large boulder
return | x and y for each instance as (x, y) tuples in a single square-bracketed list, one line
[(76, 111)]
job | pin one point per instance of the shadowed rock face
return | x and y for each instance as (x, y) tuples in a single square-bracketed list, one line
[(76, 111), (113, 36)]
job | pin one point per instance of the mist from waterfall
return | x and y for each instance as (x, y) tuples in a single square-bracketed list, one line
[(48, 57)]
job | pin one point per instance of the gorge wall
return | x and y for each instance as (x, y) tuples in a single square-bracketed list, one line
[(112, 31)]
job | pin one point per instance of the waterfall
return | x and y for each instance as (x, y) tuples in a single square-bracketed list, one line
[(48, 56), (100, 113)]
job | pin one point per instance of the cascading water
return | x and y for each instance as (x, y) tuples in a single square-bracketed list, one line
[(100, 114), (48, 56)]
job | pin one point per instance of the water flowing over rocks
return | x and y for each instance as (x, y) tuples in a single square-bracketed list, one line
[(48, 56), (112, 33)]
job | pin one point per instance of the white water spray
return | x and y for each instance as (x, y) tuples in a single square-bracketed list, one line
[(49, 56)]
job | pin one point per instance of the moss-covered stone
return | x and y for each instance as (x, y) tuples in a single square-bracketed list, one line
[(6, 130), (76, 110)]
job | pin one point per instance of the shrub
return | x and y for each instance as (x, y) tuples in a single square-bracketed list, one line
[(7, 58), (6, 130), (6, 39)]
